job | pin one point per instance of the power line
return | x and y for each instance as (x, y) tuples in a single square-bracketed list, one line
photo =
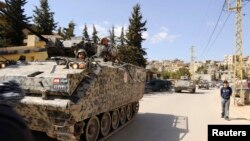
[(202, 20), (218, 34), (216, 25)]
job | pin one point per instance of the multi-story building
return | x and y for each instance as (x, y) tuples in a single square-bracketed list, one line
[(167, 65)]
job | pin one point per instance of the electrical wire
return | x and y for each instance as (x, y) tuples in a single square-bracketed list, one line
[(218, 34), (202, 20), (212, 34)]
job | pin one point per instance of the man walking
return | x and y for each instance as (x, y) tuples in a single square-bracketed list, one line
[(225, 93)]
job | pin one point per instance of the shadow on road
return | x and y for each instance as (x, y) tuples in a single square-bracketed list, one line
[(196, 93), (239, 119), (154, 127), (145, 127), (40, 136), (159, 93)]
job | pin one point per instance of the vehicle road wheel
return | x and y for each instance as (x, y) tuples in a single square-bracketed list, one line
[(105, 123), (129, 113), (115, 119), (122, 115), (135, 107), (92, 129)]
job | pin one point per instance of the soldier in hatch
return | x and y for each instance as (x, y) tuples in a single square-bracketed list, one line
[(107, 52), (82, 55)]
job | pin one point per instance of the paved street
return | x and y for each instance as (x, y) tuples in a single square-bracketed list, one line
[(178, 117)]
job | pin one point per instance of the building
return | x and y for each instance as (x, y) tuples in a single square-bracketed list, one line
[(167, 65)]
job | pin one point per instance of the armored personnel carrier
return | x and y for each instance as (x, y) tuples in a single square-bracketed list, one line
[(184, 83), (72, 104)]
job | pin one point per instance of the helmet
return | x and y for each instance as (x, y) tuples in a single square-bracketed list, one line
[(81, 50), (104, 39)]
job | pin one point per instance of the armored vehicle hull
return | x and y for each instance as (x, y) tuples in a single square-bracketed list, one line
[(77, 104), (187, 85)]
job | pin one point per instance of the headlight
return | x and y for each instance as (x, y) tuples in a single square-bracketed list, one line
[(75, 66), (80, 65), (3, 65)]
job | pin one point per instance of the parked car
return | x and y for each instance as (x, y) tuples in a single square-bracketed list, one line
[(158, 85)]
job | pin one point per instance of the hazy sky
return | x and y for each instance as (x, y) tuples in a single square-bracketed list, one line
[(173, 26)]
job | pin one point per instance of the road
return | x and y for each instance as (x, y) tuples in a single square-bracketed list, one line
[(177, 117)]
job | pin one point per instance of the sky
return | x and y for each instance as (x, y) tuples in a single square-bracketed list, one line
[(173, 27)]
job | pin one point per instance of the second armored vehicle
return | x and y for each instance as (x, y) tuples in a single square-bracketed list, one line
[(203, 84), (184, 84)]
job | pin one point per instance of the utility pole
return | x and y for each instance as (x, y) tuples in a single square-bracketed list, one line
[(192, 63), (238, 63)]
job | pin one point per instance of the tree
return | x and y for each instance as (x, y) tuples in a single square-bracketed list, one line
[(112, 35), (130, 54), (95, 38), (202, 69), (136, 28), (122, 37), (85, 33), (183, 72), (166, 75), (12, 28), (134, 35), (69, 32), (59, 31), (44, 19)]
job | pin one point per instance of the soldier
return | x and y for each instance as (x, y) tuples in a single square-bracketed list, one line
[(103, 48), (107, 52), (82, 55), (12, 128)]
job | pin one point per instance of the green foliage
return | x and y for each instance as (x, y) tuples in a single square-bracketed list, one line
[(69, 32), (134, 37), (166, 75), (44, 19), (95, 37), (131, 54), (11, 33), (112, 35), (59, 31), (85, 33), (223, 67), (136, 28), (177, 74), (154, 70), (122, 37), (202, 70)]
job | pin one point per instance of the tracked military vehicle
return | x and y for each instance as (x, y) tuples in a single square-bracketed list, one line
[(72, 104), (184, 83)]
